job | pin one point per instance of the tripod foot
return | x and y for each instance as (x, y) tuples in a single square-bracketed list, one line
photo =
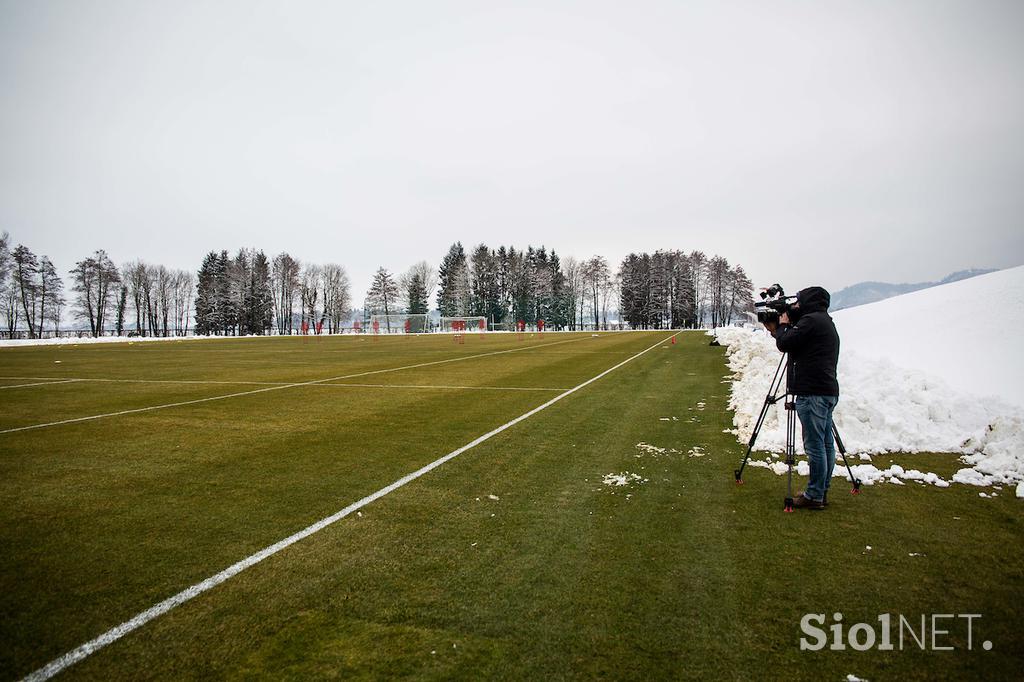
[(738, 475), (789, 505)]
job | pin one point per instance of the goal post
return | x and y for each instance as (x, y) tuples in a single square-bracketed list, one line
[(410, 323), (463, 324)]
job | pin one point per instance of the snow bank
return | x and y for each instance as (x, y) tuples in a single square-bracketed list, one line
[(934, 370)]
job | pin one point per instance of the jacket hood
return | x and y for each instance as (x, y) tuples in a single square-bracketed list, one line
[(813, 299)]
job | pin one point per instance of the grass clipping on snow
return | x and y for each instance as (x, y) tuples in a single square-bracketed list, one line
[(882, 408)]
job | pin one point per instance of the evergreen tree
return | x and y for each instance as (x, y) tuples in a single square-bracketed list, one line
[(382, 294), (206, 295), (224, 308), (453, 282), (684, 298), (561, 309), (417, 295), (261, 297), (484, 288)]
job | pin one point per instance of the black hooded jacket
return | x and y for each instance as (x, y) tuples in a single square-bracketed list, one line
[(813, 345)]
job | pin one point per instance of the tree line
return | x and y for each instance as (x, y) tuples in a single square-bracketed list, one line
[(249, 293), (674, 290), (666, 289), (104, 295)]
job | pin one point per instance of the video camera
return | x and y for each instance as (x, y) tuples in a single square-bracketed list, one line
[(773, 303)]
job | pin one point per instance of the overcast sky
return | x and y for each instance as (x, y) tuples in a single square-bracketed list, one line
[(812, 142)]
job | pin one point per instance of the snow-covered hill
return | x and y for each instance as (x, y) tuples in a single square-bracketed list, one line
[(934, 370), (863, 293), (969, 333)]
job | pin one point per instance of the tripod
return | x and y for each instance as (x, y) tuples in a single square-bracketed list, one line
[(781, 374)]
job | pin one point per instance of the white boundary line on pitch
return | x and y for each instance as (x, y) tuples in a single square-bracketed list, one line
[(280, 387), (267, 383), (41, 383), (445, 387), (112, 635)]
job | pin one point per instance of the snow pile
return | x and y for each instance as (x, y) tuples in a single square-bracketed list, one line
[(889, 407)]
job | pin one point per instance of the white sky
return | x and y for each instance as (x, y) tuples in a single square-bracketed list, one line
[(812, 142)]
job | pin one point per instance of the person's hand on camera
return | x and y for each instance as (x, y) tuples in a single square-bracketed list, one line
[(771, 327), (784, 318)]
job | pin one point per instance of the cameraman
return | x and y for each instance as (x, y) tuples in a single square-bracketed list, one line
[(808, 334)]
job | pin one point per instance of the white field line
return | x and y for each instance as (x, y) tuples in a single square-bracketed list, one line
[(446, 387), (277, 388), (112, 635), (40, 383), (271, 383)]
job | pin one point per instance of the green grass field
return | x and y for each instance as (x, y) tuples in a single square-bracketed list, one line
[(512, 560)]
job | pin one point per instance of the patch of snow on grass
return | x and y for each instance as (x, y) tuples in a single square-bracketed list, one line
[(621, 479), (648, 449)]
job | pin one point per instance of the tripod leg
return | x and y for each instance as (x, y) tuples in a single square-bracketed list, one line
[(768, 402), (842, 451), (790, 451), (770, 399)]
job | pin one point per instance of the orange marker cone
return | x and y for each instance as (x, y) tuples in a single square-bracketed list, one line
[(673, 340)]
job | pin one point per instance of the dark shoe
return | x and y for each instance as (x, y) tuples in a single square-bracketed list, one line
[(824, 499), (803, 502)]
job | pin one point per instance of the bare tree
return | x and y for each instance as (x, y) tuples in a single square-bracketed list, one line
[(699, 276), (95, 278), (717, 288), (133, 275), (609, 293), (8, 292), (26, 267), (310, 293), (595, 279), (183, 285), (49, 291), (285, 279), (337, 297), (164, 294), (10, 308), (573, 291)]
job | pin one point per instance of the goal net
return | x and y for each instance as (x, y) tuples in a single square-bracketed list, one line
[(399, 324), (463, 324)]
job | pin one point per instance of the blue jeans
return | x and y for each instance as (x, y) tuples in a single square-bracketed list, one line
[(815, 412)]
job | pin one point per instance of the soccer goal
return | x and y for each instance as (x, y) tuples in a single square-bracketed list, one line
[(411, 323), (463, 324)]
